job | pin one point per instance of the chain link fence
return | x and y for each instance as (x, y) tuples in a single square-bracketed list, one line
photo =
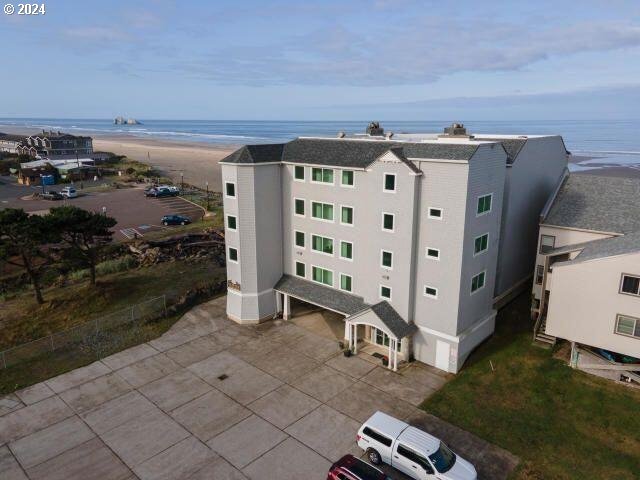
[(95, 336)]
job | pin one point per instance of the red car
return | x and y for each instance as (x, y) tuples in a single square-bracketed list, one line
[(352, 468)]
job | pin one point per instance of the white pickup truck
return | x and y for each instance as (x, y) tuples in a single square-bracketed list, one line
[(410, 450)]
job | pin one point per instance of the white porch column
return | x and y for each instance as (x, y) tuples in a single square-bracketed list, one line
[(390, 357), (347, 332), (278, 303), (287, 307), (355, 339), (395, 355)]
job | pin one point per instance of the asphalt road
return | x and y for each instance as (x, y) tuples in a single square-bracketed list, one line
[(135, 213)]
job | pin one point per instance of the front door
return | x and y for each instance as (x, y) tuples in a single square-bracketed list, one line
[(442, 355)]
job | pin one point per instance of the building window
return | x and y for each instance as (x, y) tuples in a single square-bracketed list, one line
[(430, 292), (387, 221), (477, 282), (233, 254), (435, 213), (299, 239), (322, 211), (433, 253), (301, 270), (231, 222), (389, 182), (481, 243), (484, 204), (630, 284), (230, 189), (386, 259), (345, 282), (347, 178), (322, 275), (539, 274), (322, 244), (385, 292), (346, 215), (629, 326), (299, 207), (322, 175), (346, 250), (380, 338), (298, 172), (547, 243)]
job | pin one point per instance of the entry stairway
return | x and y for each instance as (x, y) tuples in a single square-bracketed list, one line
[(540, 335)]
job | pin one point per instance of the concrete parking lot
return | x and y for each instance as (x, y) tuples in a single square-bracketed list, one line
[(214, 400), (135, 213)]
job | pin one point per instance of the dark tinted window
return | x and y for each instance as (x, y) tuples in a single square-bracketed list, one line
[(231, 189), (365, 471), (414, 457), (443, 458), (630, 284), (378, 437), (389, 182)]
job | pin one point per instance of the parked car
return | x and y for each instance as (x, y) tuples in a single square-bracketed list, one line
[(52, 195), (161, 192), (69, 192), (410, 450), (173, 188), (352, 468), (175, 220)]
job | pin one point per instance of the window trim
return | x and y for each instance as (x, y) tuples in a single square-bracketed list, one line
[(304, 174), (548, 236), (484, 281), (333, 210), (333, 176), (295, 240), (304, 202), (433, 217), (227, 222), (333, 245), (475, 254), (393, 221), (382, 252), (295, 268), (353, 215), (538, 274), (322, 268), (636, 320), (344, 185), (340, 282), (235, 193), (229, 248), (384, 182), (424, 292), (430, 257), (380, 292), (490, 204), (340, 253), (622, 283)]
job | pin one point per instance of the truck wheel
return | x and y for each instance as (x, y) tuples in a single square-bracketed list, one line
[(165, 223), (183, 223), (374, 456)]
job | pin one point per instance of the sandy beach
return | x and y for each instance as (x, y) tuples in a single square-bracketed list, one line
[(197, 161)]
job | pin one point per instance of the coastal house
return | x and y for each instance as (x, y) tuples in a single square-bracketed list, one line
[(412, 238), (587, 271), (52, 145), (69, 169), (33, 175), (10, 143)]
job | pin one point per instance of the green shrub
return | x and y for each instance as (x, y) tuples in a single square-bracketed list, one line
[(116, 265)]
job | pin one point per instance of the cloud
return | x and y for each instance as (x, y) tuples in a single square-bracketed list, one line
[(95, 34)]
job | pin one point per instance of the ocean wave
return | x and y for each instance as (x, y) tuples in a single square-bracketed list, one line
[(606, 152)]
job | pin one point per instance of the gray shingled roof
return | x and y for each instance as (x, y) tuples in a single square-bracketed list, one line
[(511, 145), (346, 152), (599, 203), (326, 297), (609, 247), (392, 319)]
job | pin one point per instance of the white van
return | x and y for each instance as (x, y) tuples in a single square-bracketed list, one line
[(69, 192), (412, 451)]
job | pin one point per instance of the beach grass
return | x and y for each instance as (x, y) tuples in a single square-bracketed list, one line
[(561, 422)]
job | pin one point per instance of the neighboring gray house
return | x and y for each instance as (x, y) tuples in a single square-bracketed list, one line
[(56, 145), (403, 235), (587, 281)]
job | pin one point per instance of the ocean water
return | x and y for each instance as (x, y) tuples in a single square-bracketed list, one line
[(607, 143)]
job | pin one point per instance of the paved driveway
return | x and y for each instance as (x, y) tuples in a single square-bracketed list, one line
[(214, 400)]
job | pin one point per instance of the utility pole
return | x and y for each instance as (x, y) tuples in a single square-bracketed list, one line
[(182, 181), (207, 183)]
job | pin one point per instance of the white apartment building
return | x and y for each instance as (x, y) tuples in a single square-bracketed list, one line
[(413, 238), (587, 278)]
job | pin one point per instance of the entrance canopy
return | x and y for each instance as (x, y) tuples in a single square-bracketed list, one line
[(316, 294)]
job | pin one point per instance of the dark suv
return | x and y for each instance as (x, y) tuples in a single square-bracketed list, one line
[(352, 468), (161, 192), (175, 220)]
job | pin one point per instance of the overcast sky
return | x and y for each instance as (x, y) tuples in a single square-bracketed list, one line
[(337, 60)]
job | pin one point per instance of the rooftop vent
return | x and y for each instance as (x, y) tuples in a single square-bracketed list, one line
[(456, 130), (374, 128)]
